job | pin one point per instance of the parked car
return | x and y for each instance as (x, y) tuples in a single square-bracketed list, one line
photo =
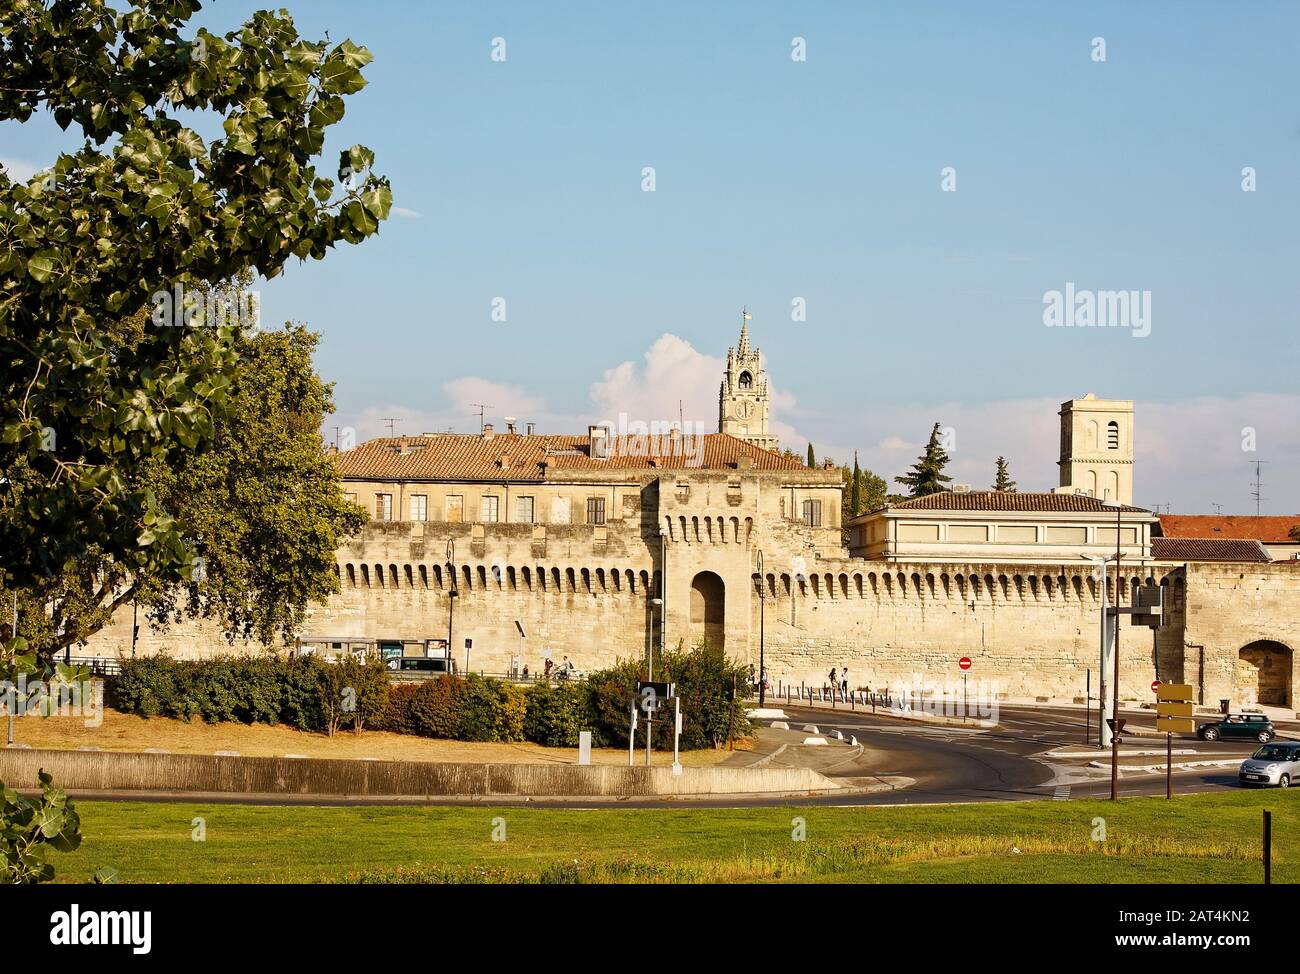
[(1273, 764), (1254, 727)]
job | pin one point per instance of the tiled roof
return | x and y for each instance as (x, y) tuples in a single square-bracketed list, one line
[(1001, 500), (468, 456), (1207, 549), (1270, 529)]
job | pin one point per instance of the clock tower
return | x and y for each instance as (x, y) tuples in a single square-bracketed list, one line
[(743, 397)]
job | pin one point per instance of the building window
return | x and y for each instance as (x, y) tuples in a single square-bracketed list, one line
[(350, 496), (524, 510), (488, 507), (812, 514), (383, 507), (746, 380), (595, 510), (1112, 435), (419, 507)]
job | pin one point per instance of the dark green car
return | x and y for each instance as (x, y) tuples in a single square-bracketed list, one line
[(1238, 727)]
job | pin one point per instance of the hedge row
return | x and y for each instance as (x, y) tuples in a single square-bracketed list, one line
[(311, 694)]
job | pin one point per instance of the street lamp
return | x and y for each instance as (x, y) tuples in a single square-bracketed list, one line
[(1114, 737), (762, 614), (453, 594)]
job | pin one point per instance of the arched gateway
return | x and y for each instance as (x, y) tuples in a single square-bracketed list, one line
[(708, 610), (1264, 674)]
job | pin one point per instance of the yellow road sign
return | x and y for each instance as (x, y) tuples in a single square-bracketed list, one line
[(1174, 691), (1171, 709), (1175, 725)]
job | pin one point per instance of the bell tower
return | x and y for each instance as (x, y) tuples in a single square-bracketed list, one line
[(743, 398), (1097, 448)]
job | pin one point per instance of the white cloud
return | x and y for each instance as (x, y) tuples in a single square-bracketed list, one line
[(1189, 452), (19, 170), (673, 378), (404, 213)]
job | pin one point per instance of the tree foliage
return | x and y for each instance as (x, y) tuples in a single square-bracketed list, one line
[(926, 475), (863, 490), (29, 829), (1002, 480), (262, 506), (147, 206)]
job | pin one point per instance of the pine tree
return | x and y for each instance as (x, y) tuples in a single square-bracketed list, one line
[(1003, 480), (812, 457), (926, 475)]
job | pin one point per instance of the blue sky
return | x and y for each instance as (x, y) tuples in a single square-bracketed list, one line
[(820, 180)]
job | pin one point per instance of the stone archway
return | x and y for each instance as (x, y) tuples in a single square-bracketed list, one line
[(1264, 674), (708, 610)]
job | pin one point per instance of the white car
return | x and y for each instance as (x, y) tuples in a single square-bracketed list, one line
[(1277, 763)]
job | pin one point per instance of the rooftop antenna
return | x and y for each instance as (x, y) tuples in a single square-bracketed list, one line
[(390, 420), (336, 438), (482, 408), (1257, 485), (1218, 508)]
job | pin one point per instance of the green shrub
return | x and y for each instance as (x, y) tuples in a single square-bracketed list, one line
[(555, 714), (398, 715), (436, 707), (300, 692)]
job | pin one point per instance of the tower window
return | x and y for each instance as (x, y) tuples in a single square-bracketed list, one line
[(746, 380), (1112, 435)]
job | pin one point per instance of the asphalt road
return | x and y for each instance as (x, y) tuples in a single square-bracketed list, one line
[(1010, 763), (947, 763)]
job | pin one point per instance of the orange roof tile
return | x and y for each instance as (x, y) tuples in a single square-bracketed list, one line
[(1003, 500), (1271, 529), (515, 456), (1207, 549)]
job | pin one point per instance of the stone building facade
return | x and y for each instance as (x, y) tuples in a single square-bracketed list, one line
[(597, 547)]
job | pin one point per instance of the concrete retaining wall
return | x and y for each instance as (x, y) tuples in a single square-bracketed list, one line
[(115, 771)]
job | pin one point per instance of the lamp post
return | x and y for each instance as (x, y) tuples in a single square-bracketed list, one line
[(1114, 737), (452, 595), (762, 614)]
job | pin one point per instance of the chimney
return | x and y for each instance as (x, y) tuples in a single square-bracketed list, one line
[(504, 461), (598, 437), (487, 431), (532, 428), (510, 424)]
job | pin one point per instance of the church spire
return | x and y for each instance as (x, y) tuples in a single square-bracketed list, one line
[(743, 398)]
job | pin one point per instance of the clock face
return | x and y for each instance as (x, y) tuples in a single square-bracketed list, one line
[(745, 410)]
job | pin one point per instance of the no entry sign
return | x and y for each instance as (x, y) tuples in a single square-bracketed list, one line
[(964, 663), (1155, 686)]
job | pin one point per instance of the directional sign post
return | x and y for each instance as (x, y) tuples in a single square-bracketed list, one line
[(650, 696)]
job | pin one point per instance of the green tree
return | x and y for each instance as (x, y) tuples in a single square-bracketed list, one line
[(926, 475), (863, 490), (855, 491), (1295, 532), (29, 829), (1003, 481), (263, 501), (812, 457), (147, 208)]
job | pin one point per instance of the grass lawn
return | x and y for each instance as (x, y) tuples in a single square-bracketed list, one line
[(127, 732), (1202, 838)]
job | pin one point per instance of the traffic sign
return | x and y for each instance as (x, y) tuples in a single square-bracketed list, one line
[(1116, 724), (652, 695), (1174, 709), (964, 663), (1155, 686)]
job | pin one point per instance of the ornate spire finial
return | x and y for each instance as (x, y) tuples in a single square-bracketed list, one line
[(743, 349)]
